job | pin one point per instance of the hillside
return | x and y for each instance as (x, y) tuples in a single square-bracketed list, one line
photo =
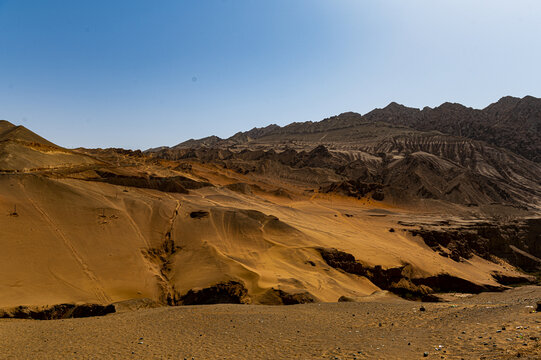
[(22, 150), (305, 213), (405, 164)]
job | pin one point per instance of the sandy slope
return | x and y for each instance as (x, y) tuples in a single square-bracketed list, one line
[(81, 241)]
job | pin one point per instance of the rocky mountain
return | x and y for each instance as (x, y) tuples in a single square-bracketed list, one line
[(511, 123), (405, 162)]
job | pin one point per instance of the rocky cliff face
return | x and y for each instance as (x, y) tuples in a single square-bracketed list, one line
[(518, 242), (511, 123)]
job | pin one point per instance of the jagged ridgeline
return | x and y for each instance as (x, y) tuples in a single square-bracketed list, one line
[(452, 153), (411, 202)]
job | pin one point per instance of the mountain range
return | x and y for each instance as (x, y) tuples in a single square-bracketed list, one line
[(400, 201)]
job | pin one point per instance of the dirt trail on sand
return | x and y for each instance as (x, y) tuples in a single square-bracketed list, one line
[(98, 289)]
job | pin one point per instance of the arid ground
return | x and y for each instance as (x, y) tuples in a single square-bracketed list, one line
[(486, 326)]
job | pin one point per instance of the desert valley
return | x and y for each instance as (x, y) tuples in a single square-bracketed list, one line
[(374, 226)]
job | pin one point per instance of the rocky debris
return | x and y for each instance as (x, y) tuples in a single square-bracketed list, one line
[(60, 311), (230, 292), (345, 299), (280, 297)]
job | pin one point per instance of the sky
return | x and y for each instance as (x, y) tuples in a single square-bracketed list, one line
[(139, 74)]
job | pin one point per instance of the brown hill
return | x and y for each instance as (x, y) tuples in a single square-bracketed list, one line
[(22, 150)]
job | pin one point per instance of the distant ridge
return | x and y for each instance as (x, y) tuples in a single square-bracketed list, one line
[(450, 153), (511, 123)]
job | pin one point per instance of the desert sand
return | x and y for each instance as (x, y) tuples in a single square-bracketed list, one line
[(80, 241), (486, 326)]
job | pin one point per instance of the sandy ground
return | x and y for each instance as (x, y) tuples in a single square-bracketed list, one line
[(485, 326)]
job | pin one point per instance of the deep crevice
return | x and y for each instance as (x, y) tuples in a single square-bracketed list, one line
[(162, 257)]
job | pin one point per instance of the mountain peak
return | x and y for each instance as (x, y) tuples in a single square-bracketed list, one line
[(5, 122), (394, 106), (505, 103), (509, 103), (450, 106), (5, 125)]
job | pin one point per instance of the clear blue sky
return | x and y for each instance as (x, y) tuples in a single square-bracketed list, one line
[(140, 74)]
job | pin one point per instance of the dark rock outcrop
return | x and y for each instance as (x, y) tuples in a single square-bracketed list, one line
[(60, 311), (396, 280), (517, 242), (199, 214), (231, 292), (280, 297), (399, 280)]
